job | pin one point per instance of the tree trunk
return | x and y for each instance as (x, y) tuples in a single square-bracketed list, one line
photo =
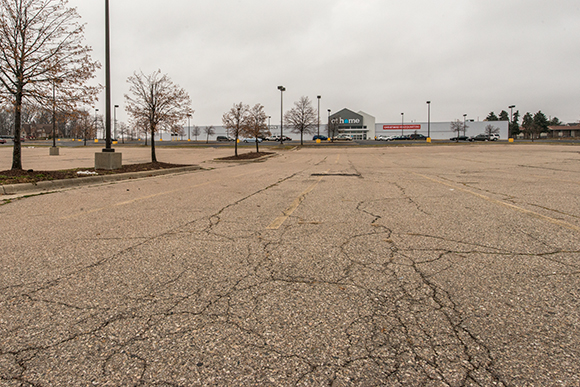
[(153, 157), (17, 152), (236, 146), (257, 150), (301, 138)]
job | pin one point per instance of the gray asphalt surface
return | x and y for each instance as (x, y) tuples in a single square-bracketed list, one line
[(434, 266)]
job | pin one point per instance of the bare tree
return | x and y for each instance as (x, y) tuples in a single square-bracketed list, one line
[(256, 126), (457, 127), (302, 117), (235, 121), (123, 130), (177, 131), (209, 131), (490, 129), (40, 45), (195, 131), (156, 101)]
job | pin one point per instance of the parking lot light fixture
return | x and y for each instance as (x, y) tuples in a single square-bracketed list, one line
[(402, 124), (511, 107), (318, 97), (282, 90), (429, 119)]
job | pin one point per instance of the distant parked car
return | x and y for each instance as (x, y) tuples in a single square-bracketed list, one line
[(272, 138), (342, 137), (2, 141), (223, 138), (480, 137), (494, 137), (259, 140), (383, 138), (459, 138), (319, 137), (417, 136), (285, 138)]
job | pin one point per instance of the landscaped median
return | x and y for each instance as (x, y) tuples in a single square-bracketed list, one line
[(17, 182)]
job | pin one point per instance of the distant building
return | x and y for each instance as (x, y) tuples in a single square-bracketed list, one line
[(38, 130), (564, 131)]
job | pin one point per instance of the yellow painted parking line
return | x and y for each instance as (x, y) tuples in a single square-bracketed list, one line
[(337, 158), (286, 214), (557, 222)]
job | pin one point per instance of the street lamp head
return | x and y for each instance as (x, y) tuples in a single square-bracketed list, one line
[(428, 101), (281, 88), (465, 115), (318, 96), (511, 106), (116, 106)]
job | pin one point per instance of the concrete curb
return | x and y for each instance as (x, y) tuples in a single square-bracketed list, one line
[(51, 185)]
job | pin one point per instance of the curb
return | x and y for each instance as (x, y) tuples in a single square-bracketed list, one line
[(50, 185)]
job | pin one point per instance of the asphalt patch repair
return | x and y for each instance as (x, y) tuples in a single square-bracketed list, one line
[(17, 176)]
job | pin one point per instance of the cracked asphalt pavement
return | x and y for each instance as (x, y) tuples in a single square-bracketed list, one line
[(431, 266)]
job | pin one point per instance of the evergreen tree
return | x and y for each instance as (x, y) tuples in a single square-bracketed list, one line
[(491, 117), (504, 116)]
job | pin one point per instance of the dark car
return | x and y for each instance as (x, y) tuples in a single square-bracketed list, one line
[(459, 138), (223, 138), (480, 137), (319, 137), (285, 138), (417, 136)]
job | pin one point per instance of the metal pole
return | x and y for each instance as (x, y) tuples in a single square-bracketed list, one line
[(429, 119), (107, 82), (53, 114), (318, 114), (96, 126), (402, 124), (465, 115), (328, 125), (115, 122), (511, 118), (188, 127), (282, 89)]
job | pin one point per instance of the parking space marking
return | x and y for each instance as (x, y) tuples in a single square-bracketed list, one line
[(557, 222), (295, 204)]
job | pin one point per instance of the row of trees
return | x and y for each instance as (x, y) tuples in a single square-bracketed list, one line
[(243, 121), (532, 124)]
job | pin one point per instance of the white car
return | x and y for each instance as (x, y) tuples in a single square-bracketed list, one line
[(383, 138), (251, 140), (493, 137)]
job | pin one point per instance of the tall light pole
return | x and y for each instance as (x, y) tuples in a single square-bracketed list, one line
[(318, 96), (269, 117), (402, 124), (115, 122), (54, 113), (328, 126), (188, 127), (282, 90), (108, 147), (511, 107), (429, 119), (96, 126), (465, 115)]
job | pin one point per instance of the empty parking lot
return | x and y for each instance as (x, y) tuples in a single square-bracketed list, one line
[(438, 266)]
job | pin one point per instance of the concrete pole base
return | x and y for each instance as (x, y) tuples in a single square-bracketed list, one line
[(53, 151), (108, 160)]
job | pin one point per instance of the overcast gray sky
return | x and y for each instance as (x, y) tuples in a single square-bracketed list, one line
[(380, 56)]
